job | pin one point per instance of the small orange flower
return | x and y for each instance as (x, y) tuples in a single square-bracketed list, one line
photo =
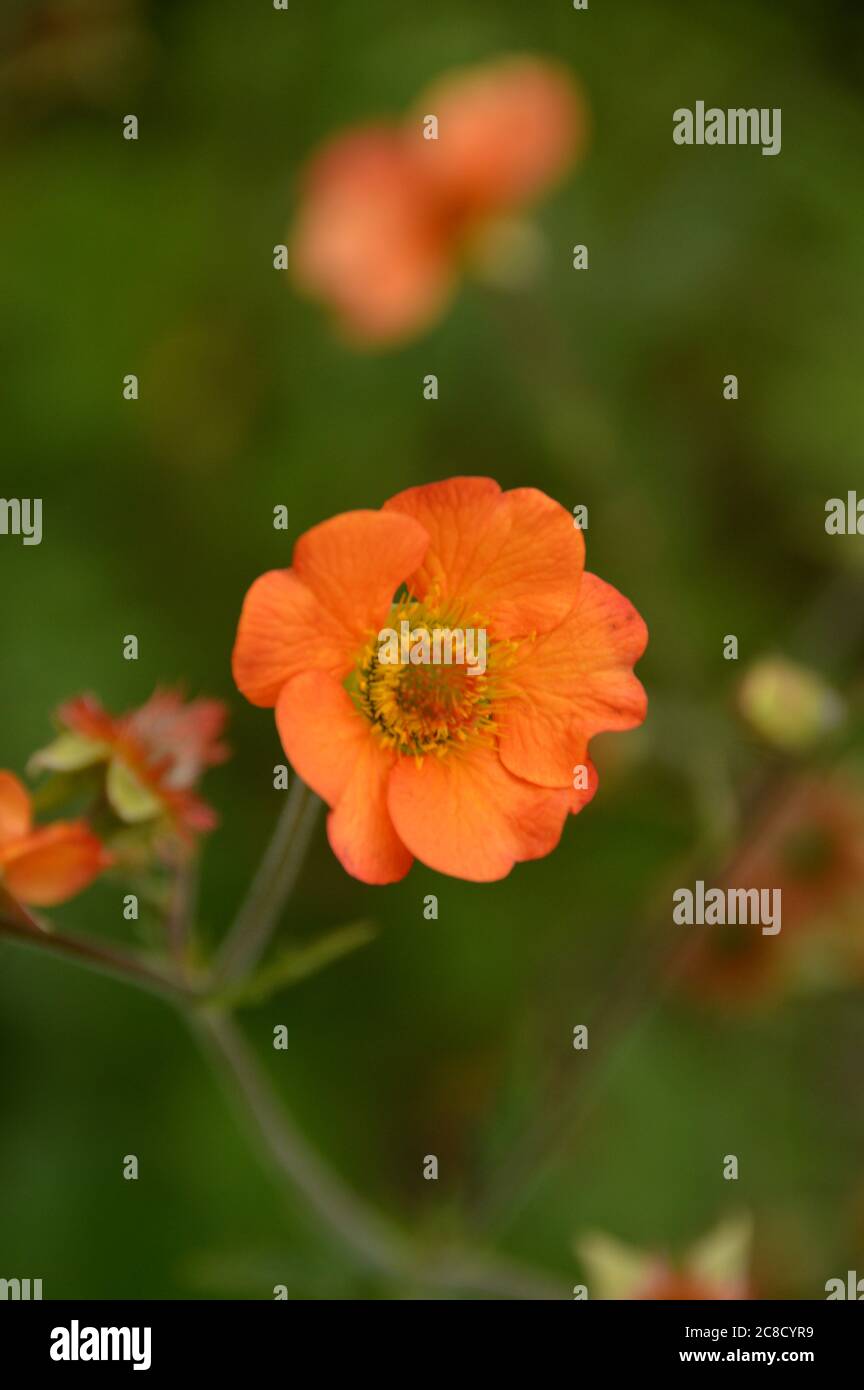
[(154, 754), (42, 867), (469, 773), (387, 215)]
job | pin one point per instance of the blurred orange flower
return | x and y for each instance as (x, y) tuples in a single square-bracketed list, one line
[(387, 215), (42, 867), (154, 755), (468, 772), (809, 844)]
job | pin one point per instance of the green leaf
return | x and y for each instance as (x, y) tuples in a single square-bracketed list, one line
[(69, 753), (723, 1256), (129, 797), (614, 1270), (297, 963)]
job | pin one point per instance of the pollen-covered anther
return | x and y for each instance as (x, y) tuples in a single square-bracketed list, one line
[(424, 695)]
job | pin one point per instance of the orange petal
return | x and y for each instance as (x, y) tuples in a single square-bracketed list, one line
[(85, 715), (355, 562), (464, 814), (367, 241), (572, 683), (320, 613), (332, 747), (321, 732), (457, 516), (512, 559), (360, 828), (505, 132), (580, 796), (53, 864), (284, 630), (14, 808)]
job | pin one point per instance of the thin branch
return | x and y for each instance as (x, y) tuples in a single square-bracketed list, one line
[(94, 954), (182, 908), (356, 1225), (371, 1238), (272, 885)]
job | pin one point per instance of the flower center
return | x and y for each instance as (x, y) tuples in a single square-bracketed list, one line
[(423, 683)]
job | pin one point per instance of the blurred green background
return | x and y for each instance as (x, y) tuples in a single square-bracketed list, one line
[(601, 387)]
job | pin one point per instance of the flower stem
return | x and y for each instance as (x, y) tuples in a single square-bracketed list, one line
[(358, 1227), (370, 1237), (98, 956), (277, 874), (182, 910)]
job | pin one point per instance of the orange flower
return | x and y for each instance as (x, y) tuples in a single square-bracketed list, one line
[(387, 214), (469, 773), (46, 866), (154, 755)]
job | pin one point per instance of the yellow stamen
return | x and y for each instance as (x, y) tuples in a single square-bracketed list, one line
[(430, 706)]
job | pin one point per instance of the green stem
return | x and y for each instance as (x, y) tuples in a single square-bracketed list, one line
[(98, 956), (277, 874), (361, 1230), (182, 910), (372, 1240)]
